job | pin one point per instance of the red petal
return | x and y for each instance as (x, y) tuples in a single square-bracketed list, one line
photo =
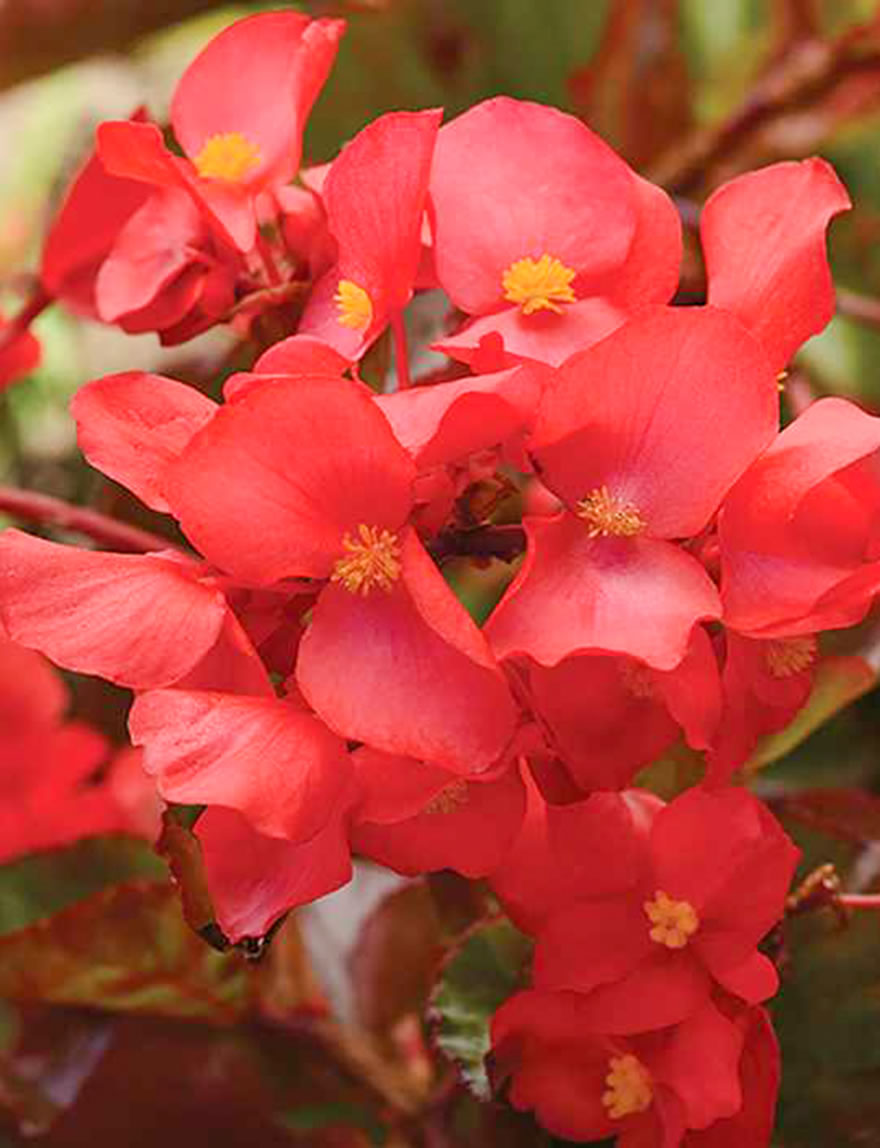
[(31, 692), (253, 880), (94, 210), (700, 1062), (650, 273), (651, 434), (151, 249), (298, 355), (543, 337), (604, 729), (137, 151), (492, 208), (467, 827), (586, 850), (131, 426), (576, 594), (394, 788), (592, 944), (18, 356), (791, 530), (368, 664), (448, 421), (763, 239), (374, 195), (259, 77), (310, 460), (753, 980), (279, 767), (139, 620)]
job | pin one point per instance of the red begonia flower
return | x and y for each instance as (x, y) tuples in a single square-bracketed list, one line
[(96, 207), (717, 868), (763, 237), (298, 355), (759, 1070), (583, 1084), (765, 683), (798, 532), (610, 716), (327, 491), (374, 196), (627, 436), (238, 113), (137, 620), (253, 880), (563, 258), (131, 426), (588, 849), (416, 818), (275, 764)]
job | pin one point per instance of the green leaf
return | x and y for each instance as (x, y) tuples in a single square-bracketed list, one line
[(127, 948), (38, 886), (478, 976), (827, 1017)]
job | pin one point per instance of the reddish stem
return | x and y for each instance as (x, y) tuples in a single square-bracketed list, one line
[(265, 250), (859, 900), (19, 323), (32, 507), (401, 351)]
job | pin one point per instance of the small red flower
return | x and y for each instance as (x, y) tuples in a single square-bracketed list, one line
[(648, 1090)]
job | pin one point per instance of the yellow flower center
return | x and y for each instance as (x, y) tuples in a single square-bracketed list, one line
[(538, 285), (673, 922), (629, 1087), (449, 799), (230, 157), (354, 305), (789, 656), (372, 559), (606, 515)]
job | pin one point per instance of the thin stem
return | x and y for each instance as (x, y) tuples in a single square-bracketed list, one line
[(18, 324), (862, 308), (859, 900), (401, 351), (265, 250), (29, 506)]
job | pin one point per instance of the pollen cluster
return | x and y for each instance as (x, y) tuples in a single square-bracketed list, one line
[(674, 922), (609, 516), (354, 305), (538, 285), (449, 799), (371, 559), (786, 657), (229, 156), (629, 1087)]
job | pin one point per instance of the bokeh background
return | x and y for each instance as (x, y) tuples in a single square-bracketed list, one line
[(691, 92)]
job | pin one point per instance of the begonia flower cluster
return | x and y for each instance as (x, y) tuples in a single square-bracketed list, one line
[(303, 668)]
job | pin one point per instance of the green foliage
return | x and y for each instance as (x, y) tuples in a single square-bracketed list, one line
[(479, 975)]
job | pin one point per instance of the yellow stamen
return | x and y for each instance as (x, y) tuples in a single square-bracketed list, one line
[(449, 799), (674, 922), (354, 304), (230, 157), (607, 515), (789, 656), (372, 559), (629, 1087), (538, 285)]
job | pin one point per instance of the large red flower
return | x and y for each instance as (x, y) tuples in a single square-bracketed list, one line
[(238, 113), (627, 436), (553, 259), (715, 871)]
